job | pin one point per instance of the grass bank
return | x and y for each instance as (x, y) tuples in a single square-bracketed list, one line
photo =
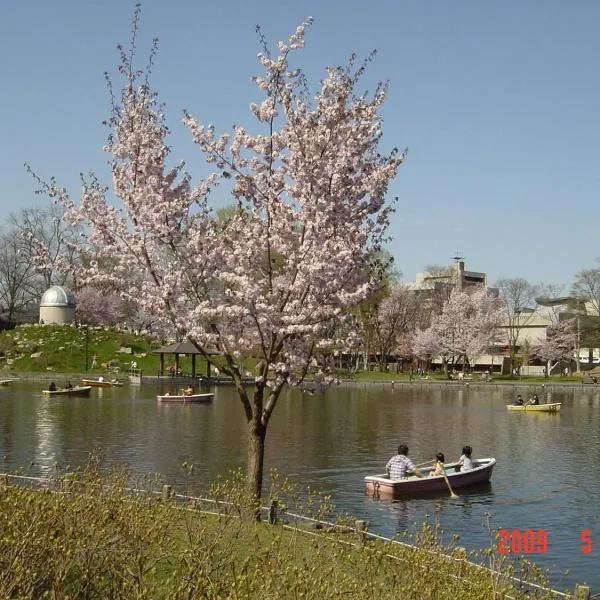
[(50, 349), (89, 536)]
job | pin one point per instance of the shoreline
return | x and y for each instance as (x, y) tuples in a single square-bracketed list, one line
[(391, 383)]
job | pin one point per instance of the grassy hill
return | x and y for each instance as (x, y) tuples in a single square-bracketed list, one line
[(63, 349)]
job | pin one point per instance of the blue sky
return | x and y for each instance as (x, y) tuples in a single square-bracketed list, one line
[(498, 103)]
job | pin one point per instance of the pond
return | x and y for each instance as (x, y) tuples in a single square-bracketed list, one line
[(547, 477)]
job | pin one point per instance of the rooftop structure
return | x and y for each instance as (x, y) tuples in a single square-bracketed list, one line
[(57, 306)]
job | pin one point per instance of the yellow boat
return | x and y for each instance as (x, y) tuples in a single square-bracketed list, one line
[(553, 407)]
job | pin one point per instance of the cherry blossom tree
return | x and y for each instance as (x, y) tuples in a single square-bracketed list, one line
[(299, 252), (559, 345), (425, 344), (95, 307), (468, 324)]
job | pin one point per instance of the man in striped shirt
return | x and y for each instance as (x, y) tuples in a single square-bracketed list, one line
[(400, 466)]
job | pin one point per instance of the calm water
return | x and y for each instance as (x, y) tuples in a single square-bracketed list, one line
[(547, 476)]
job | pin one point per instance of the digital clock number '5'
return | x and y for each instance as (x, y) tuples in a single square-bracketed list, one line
[(586, 541)]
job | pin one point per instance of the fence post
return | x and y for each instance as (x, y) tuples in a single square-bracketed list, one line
[(361, 535), (273, 512), (462, 558), (166, 492), (582, 592)]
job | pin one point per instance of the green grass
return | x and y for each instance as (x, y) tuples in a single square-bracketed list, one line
[(94, 539), (63, 349), (439, 377)]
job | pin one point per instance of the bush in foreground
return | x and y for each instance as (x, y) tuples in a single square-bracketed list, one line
[(92, 536)]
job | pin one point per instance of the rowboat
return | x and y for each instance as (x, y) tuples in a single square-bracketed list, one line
[(6, 381), (552, 407), (78, 390), (382, 486), (192, 398), (98, 383)]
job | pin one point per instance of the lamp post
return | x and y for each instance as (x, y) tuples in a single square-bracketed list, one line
[(87, 339)]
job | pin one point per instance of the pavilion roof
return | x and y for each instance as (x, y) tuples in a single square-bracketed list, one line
[(179, 348)]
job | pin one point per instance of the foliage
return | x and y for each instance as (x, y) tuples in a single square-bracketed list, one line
[(298, 254), (398, 314), (96, 307), (587, 287), (91, 536), (560, 343), (468, 324), (518, 296)]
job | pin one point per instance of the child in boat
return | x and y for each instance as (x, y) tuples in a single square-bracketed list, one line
[(438, 467), (466, 464)]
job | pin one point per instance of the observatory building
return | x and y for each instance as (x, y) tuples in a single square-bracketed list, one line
[(57, 306)]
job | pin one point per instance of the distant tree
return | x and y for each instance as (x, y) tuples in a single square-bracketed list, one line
[(587, 287), (425, 344), (95, 307), (58, 235), (19, 281), (559, 345), (367, 313), (467, 326), (397, 316), (518, 296)]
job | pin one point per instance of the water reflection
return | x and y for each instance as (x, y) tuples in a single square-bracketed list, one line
[(332, 441)]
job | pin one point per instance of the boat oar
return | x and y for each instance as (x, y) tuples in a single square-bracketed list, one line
[(429, 462), (452, 494)]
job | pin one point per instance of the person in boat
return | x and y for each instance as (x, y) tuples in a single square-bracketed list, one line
[(52, 387), (519, 401), (535, 400), (400, 466), (68, 386), (438, 466), (465, 461), (100, 379), (189, 390)]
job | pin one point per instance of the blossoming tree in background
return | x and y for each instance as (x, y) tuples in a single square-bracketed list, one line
[(468, 324), (559, 345), (276, 277)]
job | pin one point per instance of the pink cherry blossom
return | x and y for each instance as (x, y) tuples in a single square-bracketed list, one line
[(277, 277)]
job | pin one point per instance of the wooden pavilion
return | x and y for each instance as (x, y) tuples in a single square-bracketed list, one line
[(177, 349)]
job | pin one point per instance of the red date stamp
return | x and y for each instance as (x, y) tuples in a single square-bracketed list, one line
[(535, 541)]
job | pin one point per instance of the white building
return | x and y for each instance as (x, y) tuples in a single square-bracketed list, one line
[(57, 306)]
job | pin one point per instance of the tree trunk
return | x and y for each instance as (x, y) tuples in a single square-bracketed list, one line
[(257, 434)]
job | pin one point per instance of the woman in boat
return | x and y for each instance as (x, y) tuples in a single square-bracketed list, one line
[(52, 387), (466, 464), (535, 400), (438, 467)]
